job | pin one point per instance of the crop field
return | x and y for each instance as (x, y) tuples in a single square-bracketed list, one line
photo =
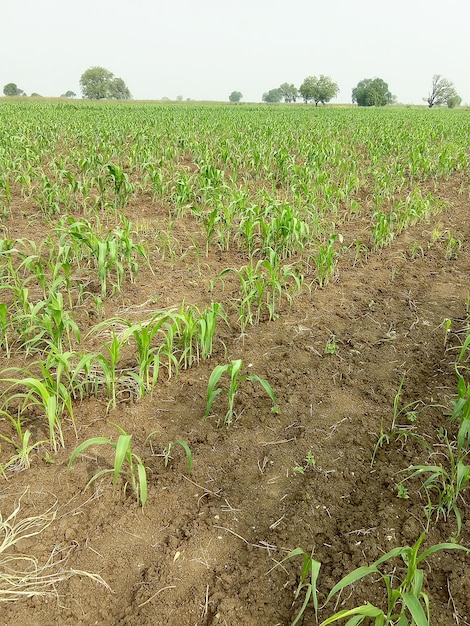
[(234, 365)]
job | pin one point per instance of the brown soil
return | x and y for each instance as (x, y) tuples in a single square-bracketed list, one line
[(206, 548)]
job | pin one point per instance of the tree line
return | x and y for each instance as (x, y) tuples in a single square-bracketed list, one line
[(368, 92), (98, 83)]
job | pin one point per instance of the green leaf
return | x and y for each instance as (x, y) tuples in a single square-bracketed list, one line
[(413, 605), (351, 578), (189, 456), (440, 546), (142, 483), (84, 445), (123, 447), (368, 610)]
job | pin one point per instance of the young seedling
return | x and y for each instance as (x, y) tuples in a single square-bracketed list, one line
[(126, 463), (309, 462), (308, 580), (170, 446), (397, 431), (407, 603), (444, 487), (233, 370), (187, 450)]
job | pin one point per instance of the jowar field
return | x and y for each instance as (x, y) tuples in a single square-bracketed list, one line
[(234, 364)]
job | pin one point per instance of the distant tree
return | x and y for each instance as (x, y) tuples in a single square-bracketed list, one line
[(179, 98), (273, 95), (307, 88), (235, 96), (290, 92), (442, 92), (98, 83), (454, 101), (372, 92), (11, 89), (70, 94), (36, 95), (321, 89), (118, 90)]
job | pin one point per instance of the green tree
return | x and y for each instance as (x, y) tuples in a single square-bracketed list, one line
[(319, 89), (307, 88), (290, 92), (372, 92), (98, 83), (273, 95), (454, 101), (11, 89), (442, 92), (68, 94), (118, 90), (235, 96)]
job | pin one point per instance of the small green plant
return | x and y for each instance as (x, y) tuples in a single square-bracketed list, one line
[(446, 324), (233, 370), (397, 431), (22, 444), (327, 259), (48, 395), (126, 463), (309, 462), (402, 492), (407, 604), (331, 346), (187, 451), (308, 580), (453, 246), (444, 486)]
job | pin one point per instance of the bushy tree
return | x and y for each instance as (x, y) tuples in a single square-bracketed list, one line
[(318, 89), (290, 92), (98, 83), (454, 101), (372, 92), (442, 92), (11, 89), (68, 94), (118, 90), (235, 96), (273, 95)]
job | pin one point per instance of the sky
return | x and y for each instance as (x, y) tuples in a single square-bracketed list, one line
[(205, 49)]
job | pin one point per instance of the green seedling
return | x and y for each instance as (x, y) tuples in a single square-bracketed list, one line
[(453, 247), (187, 451), (331, 346), (397, 431), (22, 444), (444, 487), (446, 325), (407, 602), (308, 580), (309, 463), (49, 395), (127, 464), (233, 370), (326, 259)]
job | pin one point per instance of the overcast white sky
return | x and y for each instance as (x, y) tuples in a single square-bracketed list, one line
[(205, 49)]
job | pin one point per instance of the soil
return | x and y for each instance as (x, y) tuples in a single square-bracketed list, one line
[(207, 548)]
